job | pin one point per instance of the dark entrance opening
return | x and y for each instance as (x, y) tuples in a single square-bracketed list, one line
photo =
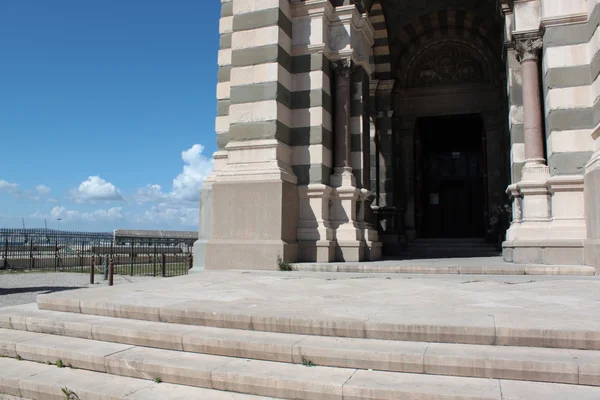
[(451, 177)]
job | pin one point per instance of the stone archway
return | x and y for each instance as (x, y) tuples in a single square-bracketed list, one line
[(442, 62)]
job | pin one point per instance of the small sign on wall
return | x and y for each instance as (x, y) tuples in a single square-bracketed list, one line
[(434, 199)]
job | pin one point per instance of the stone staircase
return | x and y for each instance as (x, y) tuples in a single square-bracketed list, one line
[(449, 248), (202, 356)]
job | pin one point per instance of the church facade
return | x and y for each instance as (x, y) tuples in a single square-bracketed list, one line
[(349, 129)]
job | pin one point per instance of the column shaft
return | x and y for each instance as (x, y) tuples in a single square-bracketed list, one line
[(343, 69), (528, 54)]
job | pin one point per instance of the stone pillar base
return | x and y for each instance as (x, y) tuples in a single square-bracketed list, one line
[(592, 254), (199, 252), (316, 251), (248, 254), (550, 252), (592, 205), (350, 251), (254, 208)]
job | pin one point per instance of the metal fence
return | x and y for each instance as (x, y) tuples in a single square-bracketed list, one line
[(50, 250)]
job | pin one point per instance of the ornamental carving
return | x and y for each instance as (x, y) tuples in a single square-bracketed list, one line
[(528, 48), (447, 64), (343, 67)]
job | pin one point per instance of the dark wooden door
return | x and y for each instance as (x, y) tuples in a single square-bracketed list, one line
[(450, 176)]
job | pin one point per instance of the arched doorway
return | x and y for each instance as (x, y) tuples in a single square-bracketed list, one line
[(450, 156)]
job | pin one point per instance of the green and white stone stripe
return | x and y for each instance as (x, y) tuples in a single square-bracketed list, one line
[(224, 61), (381, 47), (515, 125), (570, 70), (260, 77), (360, 129), (311, 135)]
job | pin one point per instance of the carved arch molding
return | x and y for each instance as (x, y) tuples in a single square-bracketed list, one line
[(448, 62)]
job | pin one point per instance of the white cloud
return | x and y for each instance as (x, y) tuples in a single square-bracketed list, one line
[(42, 189), (10, 187), (186, 186), (96, 189), (197, 168), (149, 194), (166, 214), (112, 214)]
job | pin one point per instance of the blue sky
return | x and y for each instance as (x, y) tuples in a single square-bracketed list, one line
[(107, 111)]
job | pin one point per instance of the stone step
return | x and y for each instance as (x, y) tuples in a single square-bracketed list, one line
[(30, 380), (432, 267), (128, 366), (421, 324), (483, 361)]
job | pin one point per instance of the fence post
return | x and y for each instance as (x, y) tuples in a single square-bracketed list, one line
[(92, 271), (164, 265), (56, 254), (190, 262), (154, 272), (105, 266), (5, 254), (111, 271), (131, 257), (31, 266)]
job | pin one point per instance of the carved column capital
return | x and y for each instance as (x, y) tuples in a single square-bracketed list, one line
[(528, 48), (343, 67)]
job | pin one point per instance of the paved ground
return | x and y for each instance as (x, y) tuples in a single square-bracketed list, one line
[(367, 301), (23, 288)]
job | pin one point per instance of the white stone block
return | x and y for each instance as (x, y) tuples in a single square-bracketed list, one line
[(311, 81), (566, 56), (224, 57), (259, 111), (568, 98), (314, 116), (261, 73), (222, 124), (309, 30), (260, 37), (223, 90), (516, 115), (312, 154), (528, 16), (517, 153), (248, 6), (226, 25), (570, 141), (553, 9)]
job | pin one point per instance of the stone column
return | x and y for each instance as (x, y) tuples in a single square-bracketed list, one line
[(526, 238), (346, 209), (528, 51), (343, 69)]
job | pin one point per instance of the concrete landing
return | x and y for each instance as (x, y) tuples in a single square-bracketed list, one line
[(453, 266), (556, 312)]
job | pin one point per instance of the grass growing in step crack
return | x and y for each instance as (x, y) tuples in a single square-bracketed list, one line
[(307, 363), (18, 358), (157, 380), (60, 364), (284, 265), (69, 394)]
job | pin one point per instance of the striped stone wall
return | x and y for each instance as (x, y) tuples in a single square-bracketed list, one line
[(261, 67), (381, 48), (515, 118), (311, 133), (359, 128), (570, 68), (223, 85)]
